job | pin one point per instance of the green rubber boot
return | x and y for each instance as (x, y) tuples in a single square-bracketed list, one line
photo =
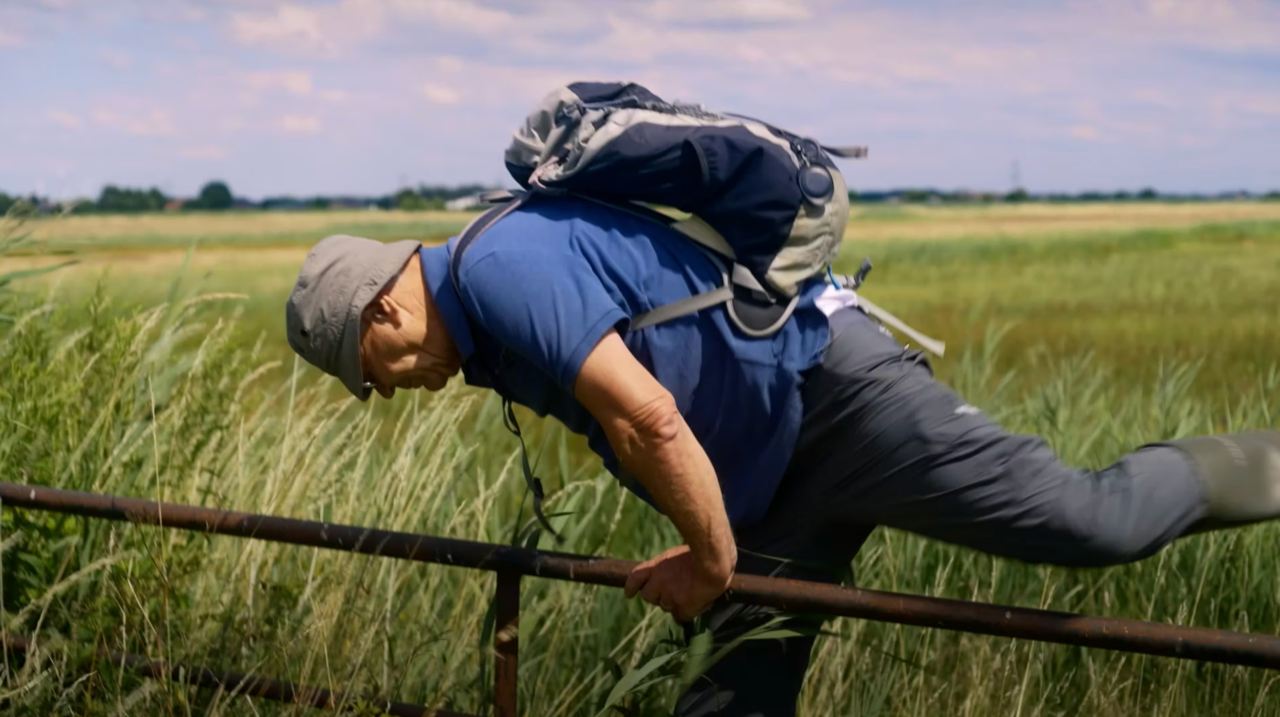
[(1241, 475)]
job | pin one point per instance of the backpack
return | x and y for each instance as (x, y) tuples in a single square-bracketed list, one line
[(768, 207)]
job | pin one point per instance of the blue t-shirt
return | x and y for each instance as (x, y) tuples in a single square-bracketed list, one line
[(543, 285)]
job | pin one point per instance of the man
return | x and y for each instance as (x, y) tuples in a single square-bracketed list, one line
[(772, 456)]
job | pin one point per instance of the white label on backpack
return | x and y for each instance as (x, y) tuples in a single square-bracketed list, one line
[(832, 300)]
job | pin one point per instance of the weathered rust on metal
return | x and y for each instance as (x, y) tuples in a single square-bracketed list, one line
[(506, 637), (1208, 645), (368, 541), (234, 684)]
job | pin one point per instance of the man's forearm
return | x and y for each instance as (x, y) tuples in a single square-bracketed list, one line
[(666, 458), (652, 442)]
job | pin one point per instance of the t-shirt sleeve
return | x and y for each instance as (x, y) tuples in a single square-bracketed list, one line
[(543, 301)]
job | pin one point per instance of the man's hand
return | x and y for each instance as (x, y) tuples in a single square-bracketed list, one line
[(678, 583)]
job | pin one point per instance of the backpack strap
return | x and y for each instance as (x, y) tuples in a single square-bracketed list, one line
[(635, 209), (477, 226), (933, 346), (682, 307), (511, 202), (852, 282), (533, 482)]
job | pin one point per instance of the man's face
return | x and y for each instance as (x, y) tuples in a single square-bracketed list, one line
[(395, 351)]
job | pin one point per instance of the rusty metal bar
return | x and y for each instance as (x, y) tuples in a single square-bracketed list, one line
[(237, 684), (506, 637), (1208, 645)]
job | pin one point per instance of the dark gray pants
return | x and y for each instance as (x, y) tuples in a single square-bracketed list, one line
[(883, 443)]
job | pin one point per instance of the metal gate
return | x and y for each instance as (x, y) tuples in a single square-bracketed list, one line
[(512, 563)]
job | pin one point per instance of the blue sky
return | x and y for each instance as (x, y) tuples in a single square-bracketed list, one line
[(363, 96)]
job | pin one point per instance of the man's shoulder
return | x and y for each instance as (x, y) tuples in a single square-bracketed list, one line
[(575, 216), (553, 228)]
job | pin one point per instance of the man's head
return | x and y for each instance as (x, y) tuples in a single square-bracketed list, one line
[(360, 311)]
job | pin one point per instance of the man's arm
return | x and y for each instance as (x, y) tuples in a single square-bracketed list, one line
[(653, 442)]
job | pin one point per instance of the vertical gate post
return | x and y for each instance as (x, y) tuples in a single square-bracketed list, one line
[(506, 640)]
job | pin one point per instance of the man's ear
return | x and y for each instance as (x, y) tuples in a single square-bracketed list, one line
[(385, 309)]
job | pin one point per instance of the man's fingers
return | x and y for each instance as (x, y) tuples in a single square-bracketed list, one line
[(652, 592), (637, 580), (687, 615)]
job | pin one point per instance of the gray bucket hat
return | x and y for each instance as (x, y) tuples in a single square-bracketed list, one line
[(339, 278)]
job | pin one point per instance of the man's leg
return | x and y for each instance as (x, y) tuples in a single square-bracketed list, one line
[(762, 678), (911, 454), (883, 443)]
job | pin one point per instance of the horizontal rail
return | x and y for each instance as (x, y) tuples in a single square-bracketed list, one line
[(1207, 645), (249, 686)]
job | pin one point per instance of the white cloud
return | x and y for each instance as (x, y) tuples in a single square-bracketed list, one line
[(299, 124), (1232, 111), (1225, 25), (1157, 98), (731, 10), (937, 88), (207, 151), (332, 29), (441, 94), (8, 39), (1262, 104), (1084, 132), (296, 82), (64, 119), (184, 43), (290, 26), (166, 69), (454, 14), (116, 58), (153, 122)]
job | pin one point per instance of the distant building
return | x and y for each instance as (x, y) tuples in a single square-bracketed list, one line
[(174, 205), (461, 204)]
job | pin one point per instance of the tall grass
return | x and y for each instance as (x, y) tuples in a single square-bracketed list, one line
[(170, 403)]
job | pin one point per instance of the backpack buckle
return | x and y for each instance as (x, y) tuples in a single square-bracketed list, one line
[(861, 276)]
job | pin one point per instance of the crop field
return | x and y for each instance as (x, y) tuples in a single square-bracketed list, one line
[(156, 367)]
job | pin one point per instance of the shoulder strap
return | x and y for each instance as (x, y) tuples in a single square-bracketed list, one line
[(477, 226), (469, 234), (853, 282), (682, 307)]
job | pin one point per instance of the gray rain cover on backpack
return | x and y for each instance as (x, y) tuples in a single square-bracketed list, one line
[(762, 198), (768, 207)]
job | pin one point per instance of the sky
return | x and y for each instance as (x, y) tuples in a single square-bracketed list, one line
[(365, 96)]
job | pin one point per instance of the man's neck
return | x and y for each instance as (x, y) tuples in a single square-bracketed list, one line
[(417, 299)]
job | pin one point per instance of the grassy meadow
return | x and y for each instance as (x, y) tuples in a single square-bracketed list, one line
[(156, 367)]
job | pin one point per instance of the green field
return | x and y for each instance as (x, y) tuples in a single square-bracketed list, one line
[(153, 370)]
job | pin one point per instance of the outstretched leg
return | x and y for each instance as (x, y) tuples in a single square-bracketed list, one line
[(883, 443), (886, 444)]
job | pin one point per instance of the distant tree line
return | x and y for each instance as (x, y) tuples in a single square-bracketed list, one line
[(936, 196), (217, 196)]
